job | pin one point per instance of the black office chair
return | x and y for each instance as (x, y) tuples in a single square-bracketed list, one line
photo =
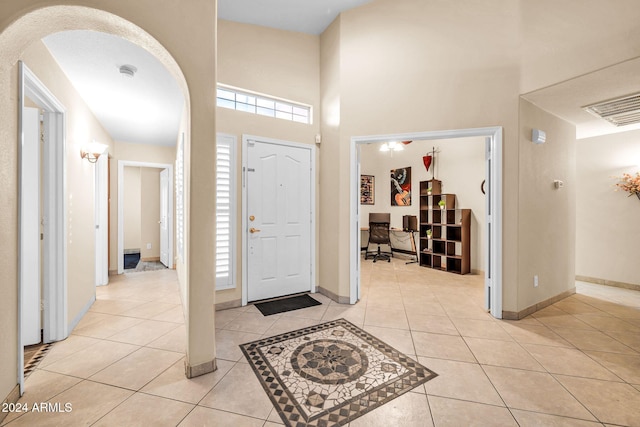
[(379, 234)]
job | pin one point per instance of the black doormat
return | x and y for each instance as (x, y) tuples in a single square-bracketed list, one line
[(286, 304), (131, 260)]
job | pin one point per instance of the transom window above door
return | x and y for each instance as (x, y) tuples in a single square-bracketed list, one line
[(264, 105)]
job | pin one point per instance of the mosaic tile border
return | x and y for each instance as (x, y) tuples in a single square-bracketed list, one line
[(32, 364), (301, 370)]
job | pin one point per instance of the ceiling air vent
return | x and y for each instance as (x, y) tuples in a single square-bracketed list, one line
[(619, 112)]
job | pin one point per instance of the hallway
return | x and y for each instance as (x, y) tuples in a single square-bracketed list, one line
[(576, 363)]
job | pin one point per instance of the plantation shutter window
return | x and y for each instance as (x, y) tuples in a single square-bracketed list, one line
[(225, 212)]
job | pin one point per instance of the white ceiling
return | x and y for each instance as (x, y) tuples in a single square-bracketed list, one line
[(145, 109), (304, 16), (566, 99)]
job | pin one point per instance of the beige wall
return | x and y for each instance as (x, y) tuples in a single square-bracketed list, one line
[(132, 208), (331, 174), (564, 39), (274, 62), (193, 64), (283, 64), (81, 127), (547, 232), (607, 225), (459, 164), (144, 153)]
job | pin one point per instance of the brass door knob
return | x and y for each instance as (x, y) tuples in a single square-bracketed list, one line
[(252, 218), (253, 230)]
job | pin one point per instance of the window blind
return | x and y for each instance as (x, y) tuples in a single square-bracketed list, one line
[(180, 198), (225, 212)]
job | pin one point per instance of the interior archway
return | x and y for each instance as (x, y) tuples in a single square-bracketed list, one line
[(14, 41)]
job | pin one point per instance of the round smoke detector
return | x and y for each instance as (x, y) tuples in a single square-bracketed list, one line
[(128, 70)]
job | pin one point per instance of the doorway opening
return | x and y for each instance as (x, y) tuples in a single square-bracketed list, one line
[(42, 291), (493, 221), (145, 177)]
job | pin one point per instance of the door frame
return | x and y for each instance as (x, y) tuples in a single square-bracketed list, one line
[(493, 259), (54, 266), (245, 234), (121, 166), (31, 215), (166, 209), (101, 202)]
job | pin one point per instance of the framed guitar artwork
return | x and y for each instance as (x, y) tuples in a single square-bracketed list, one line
[(401, 187)]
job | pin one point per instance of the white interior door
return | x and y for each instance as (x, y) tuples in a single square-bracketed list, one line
[(30, 228), (279, 220), (101, 216), (164, 216)]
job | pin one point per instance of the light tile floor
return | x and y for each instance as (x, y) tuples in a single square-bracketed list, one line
[(576, 363)]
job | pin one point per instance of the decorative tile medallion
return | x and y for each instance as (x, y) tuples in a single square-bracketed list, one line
[(330, 374)]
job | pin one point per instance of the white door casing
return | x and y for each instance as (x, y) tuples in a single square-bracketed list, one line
[(280, 237), (101, 216), (164, 214), (30, 227), (493, 260), (169, 217), (493, 212), (54, 244)]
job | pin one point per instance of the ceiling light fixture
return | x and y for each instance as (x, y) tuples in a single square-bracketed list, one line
[(128, 70), (391, 146)]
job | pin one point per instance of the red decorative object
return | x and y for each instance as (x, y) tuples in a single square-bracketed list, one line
[(427, 161)]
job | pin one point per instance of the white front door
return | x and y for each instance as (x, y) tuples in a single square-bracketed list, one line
[(30, 228), (164, 220), (279, 220)]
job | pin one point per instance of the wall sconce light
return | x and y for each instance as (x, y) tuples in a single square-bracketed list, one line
[(92, 151), (538, 136)]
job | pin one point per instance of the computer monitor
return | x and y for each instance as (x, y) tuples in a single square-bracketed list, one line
[(409, 223)]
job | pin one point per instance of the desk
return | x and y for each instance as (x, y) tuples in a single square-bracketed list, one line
[(396, 231)]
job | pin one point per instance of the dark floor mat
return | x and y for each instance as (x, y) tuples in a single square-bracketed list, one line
[(286, 304), (131, 260)]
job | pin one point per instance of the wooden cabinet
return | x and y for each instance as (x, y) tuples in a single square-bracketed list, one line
[(445, 231)]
